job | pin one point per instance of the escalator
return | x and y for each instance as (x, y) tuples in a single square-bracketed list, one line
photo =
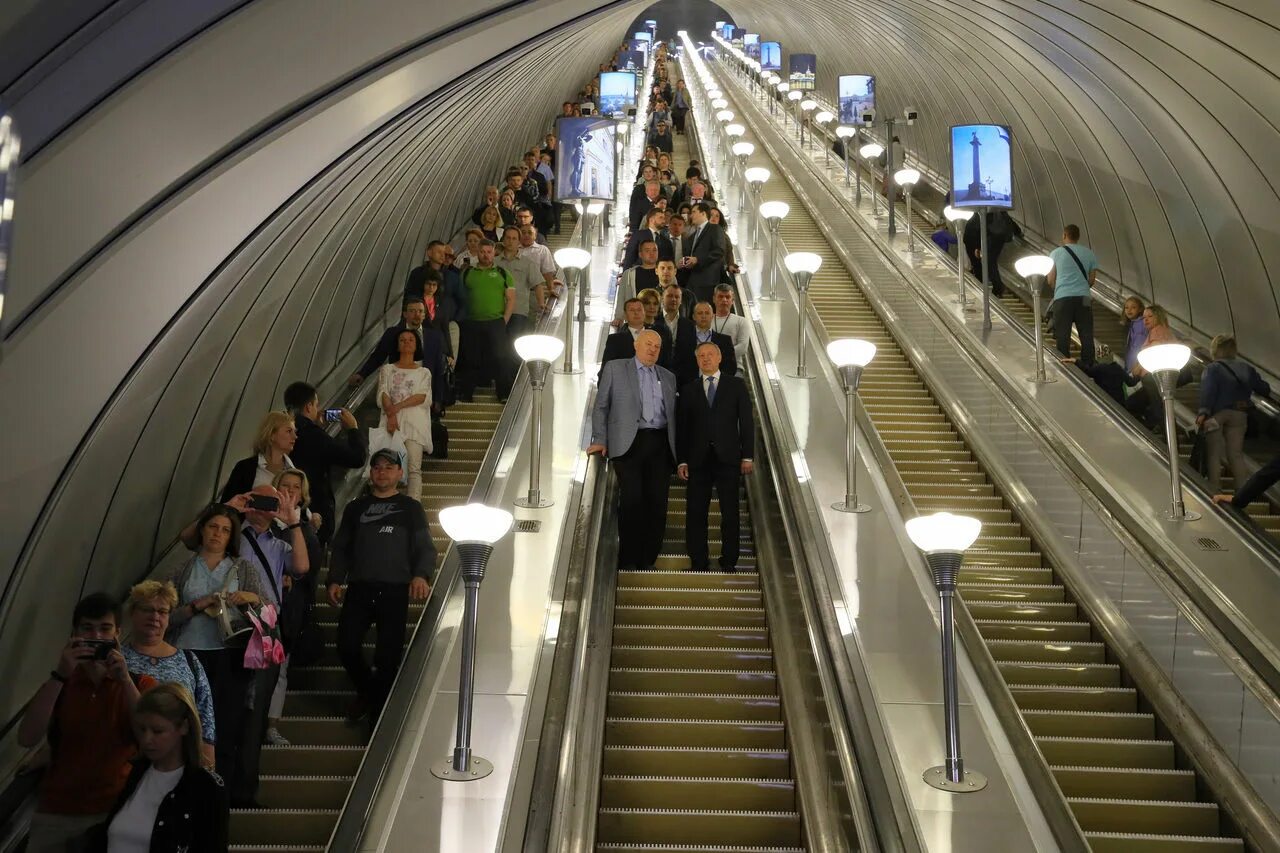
[(304, 785), (695, 744), (1122, 776)]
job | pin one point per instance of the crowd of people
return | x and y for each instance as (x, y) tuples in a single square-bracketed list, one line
[(670, 400), (150, 726)]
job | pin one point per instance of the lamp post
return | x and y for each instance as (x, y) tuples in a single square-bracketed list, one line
[(806, 106), (722, 118), (573, 261), (1034, 268), (773, 212), (734, 131), (845, 133), (906, 178), (784, 91), (595, 211), (1164, 361), (944, 538), (869, 152), (802, 266), (795, 97), (958, 217), (743, 150), (756, 176), (821, 119), (474, 529), (851, 356), (537, 352)]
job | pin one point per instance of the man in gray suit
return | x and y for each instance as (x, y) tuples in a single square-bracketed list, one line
[(634, 426)]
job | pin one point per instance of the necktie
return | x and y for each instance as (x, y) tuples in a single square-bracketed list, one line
[(711, 390), (647, 409)]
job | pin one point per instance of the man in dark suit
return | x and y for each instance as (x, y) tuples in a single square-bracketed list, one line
[(684, 363), (655, 220), (705, 257), (715, 442), (430, 351), (621, 344), (667, 278), (641, 206), (633, 424)]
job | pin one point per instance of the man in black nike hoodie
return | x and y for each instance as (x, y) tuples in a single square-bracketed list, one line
[(384, 554)]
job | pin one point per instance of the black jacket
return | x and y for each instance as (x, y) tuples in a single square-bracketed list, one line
[(640, 207), (621, 344), (316, 452), (723, 432), (632, 255), (193, 818), (241, 478), (684, 362), (709, 249), (452, 297)]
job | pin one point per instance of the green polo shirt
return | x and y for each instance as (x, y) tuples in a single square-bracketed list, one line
[(487, 292)]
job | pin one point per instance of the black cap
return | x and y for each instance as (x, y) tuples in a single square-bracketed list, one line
[(385, 455)]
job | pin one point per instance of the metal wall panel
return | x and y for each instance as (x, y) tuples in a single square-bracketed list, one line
[(1151, 125), (205, 311)]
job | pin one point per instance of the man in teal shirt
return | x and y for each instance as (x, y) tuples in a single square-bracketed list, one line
[(484, 348), (1075, 271)]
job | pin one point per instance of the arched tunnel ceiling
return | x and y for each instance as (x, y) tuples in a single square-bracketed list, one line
[(1151, 125)]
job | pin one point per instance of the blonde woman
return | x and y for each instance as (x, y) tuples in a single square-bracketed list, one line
[(146, 653), (170, 804), (272, 446)]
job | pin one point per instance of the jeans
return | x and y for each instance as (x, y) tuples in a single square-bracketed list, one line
[(1068, 310), (230, 684), (366, 604), (1228, 442)]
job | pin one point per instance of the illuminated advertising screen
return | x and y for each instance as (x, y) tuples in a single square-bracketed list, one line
[(770, 56), (803, 70), (641, 46), (643, 35), (751, 44), (981, 166), (630, 60), (719, 27), (617, 93), (726, 32), (857, 97), (738, 34), (586, 157)]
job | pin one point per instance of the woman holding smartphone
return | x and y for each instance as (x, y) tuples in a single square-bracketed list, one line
[(216, 577), (170, 804)]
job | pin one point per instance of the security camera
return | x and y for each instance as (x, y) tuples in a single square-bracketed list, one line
[(868, 117), (911, 114)]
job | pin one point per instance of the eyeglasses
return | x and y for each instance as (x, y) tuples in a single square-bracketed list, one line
[(151, 611)]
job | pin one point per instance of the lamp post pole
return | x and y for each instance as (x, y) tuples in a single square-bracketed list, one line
[(538, 351), (1164, 362), (773, 213), (851, 356), (802, 266), (574, 262), (1034, 268), (958, 218), (986, 280), (888, 170)]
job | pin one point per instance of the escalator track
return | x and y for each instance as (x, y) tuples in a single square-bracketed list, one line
[(1122, 776)]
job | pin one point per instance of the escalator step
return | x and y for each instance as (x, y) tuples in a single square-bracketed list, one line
[(695, 706), (689, 680), (687, 597), (697, 657), (1126, 782), (700, 793), (730, 580), (1145, 816), (682, 615), (746, 734), (1090, 723), (691, 635), (1040, 650), (1124, 842), (1049, 697), (698, 827), (1107, 752)]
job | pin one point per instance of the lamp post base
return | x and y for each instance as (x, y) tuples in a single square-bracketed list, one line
[(1041, 380), (798, 375), (1187, 515), (970, 782), (845, 506), (567, 371), (477, 769), (533, 503)]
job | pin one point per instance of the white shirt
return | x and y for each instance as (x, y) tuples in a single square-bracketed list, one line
[(673, 323), (263, 476), (541, 254), (706, 383), (735, 326), (130, 830)]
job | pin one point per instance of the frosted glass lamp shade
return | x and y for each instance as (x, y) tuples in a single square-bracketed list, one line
[(802, 262), (572, 259), (954, 213), (743, 149), (595, 208), (846, 352), (719, 103), (906, 177), (844, 131), (775, 210), (734, 129), (475, 523), (808, 104), (871, 150), (1164, 357), (824, 117), (795, 96), (757, 175), (539, 347), (715, 93), (724, 115), (1033, 265), (943, 533)]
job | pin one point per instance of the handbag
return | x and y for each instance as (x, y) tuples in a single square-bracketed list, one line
[(1199, 460), (235, 632), (264, 649), (1254, 424)]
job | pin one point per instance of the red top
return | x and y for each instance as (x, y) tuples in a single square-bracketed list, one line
[(92, 737)]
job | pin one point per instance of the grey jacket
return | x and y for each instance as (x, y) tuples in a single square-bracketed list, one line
[(615, 418)]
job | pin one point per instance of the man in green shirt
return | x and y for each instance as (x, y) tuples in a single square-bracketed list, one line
[(484, 349)]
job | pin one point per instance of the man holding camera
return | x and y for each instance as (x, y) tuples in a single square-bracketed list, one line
[(85, 710), (316, 452)]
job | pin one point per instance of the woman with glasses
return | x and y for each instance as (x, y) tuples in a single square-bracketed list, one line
[(147, 653)]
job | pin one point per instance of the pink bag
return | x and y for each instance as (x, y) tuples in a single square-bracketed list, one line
[(264, 649)]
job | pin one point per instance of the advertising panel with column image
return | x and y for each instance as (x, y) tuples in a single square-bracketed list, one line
[(586, 156), (803, 71), (630, 60), (981, 166), (857, 97), (617, 93), (751, 44), (770, 56), (738, 35)]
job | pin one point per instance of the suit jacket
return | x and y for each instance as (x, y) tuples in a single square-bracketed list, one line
[(723, 429), (621, 344), (640, 207), (708, 248), (632, 255), (671, 248), (684, 361), (615, 419)]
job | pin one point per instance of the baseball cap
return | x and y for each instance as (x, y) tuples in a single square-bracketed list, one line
[(384, 455)]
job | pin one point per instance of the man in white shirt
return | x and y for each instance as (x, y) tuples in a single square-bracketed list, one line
[(728, 323), (530, 287), (531, 248)]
